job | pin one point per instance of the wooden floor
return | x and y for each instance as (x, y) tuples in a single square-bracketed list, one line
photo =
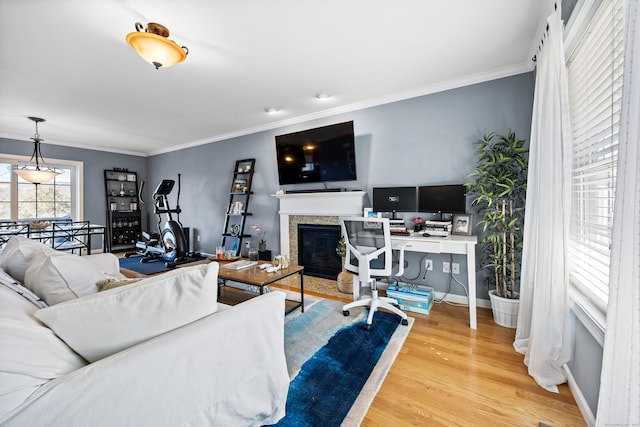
[(449, 375)]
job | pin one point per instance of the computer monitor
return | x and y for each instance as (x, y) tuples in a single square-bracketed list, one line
[(442, 199), (394, 199)]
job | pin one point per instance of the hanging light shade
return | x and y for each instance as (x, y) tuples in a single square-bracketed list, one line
[(36, 171), (153, 45)]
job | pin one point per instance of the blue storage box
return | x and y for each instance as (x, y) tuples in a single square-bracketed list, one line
[(411, 298)]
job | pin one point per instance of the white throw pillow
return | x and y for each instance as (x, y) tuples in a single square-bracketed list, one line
[(17, 253), (58, 277), (30, 353), (105, 323)]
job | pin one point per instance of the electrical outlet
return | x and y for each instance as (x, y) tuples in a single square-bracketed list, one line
[(446, 267), (455, 268), (428, 264)]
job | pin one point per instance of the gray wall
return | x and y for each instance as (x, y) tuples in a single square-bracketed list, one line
[(586, 363), (421, 141)]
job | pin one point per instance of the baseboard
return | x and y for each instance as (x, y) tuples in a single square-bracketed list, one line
[(588, 416), (461, 299)]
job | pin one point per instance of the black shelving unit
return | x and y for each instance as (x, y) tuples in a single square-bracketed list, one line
[(238, 207), (124, 219)]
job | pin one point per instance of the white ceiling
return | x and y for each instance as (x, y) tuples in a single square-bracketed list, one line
[(68, 62)]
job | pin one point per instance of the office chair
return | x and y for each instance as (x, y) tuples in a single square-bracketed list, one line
[(369, 255)]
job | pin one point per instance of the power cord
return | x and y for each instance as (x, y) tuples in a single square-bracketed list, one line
[(452, 277)]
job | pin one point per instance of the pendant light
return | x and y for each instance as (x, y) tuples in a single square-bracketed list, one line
[(36, 171), (153, 45)]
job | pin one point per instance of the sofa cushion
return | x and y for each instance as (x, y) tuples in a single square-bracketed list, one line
[(57, 277), (105, 323), (17, 253), (30, 353), (15, 286)]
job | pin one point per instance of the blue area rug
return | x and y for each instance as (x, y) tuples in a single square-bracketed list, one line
[(156, 266), (341, 373)]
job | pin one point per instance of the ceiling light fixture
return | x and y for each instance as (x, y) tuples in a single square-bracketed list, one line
[(153, 45), (322, 96), (271, 110), (40, 172)]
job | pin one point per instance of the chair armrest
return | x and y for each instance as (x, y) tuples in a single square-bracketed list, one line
[(228, 368), (401, 260)]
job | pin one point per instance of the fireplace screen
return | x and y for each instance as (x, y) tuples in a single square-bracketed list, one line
[(317, 250)]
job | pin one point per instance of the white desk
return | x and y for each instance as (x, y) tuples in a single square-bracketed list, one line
[(464, 245)]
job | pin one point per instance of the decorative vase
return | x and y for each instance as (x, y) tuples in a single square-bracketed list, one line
[(505, 310), (345, 281), (262, 247)]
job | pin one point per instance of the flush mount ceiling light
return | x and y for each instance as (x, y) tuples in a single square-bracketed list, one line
[(153, 45), (271, 110), (322, 96), (39, 172)]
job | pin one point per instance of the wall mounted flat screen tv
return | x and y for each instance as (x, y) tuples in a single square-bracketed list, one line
[(442, 199), (317, 155), (394, 199)]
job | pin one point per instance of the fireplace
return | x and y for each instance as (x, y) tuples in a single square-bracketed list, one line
[(316, 209), (317, 250)]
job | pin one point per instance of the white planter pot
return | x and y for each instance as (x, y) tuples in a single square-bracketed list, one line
[(505, 310)]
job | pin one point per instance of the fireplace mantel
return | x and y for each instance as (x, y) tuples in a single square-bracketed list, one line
[(343, 203)]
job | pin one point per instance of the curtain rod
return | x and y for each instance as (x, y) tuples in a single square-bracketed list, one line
[(544, 34)]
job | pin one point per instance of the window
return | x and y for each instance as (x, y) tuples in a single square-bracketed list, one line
[(595, 70), (21, 200)]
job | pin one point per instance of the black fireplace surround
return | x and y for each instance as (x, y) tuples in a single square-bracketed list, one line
[(317, 250)]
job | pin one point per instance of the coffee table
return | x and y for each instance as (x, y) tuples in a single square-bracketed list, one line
[(257, 277)]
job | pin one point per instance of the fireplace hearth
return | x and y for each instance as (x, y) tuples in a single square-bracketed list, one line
[(317, 250)]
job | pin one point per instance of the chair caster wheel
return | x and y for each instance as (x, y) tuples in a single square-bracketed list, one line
[(405, 322), (345, 312), (367, 327)]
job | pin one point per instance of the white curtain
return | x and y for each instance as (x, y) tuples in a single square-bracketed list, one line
[(619, 400), (542, 333)]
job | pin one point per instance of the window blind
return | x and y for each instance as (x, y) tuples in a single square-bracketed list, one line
[(595, 86)]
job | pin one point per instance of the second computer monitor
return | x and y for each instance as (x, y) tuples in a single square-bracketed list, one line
[(394, 199), (442, 199)]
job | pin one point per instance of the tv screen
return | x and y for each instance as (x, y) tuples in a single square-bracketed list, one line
[(442, 199), (394, 199), (317, 155)]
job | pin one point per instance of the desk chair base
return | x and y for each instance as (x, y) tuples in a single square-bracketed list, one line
[(376, 302)]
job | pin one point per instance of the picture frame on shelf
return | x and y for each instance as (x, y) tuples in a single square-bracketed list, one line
[(239, 186), (462, 224)]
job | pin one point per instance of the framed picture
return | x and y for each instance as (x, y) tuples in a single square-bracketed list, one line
[(462, 224), (239, 186)]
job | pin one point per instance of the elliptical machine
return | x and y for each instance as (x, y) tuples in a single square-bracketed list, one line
[(169, 244)]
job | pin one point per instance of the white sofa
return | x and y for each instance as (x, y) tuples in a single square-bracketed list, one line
[(157, 352)]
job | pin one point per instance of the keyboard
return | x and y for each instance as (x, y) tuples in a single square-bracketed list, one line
[(400, 233)]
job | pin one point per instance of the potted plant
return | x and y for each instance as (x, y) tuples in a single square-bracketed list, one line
[(345, 279), (262, 243), (498, 186)]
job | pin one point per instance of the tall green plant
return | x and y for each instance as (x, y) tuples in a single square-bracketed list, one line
[(499, 186)]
